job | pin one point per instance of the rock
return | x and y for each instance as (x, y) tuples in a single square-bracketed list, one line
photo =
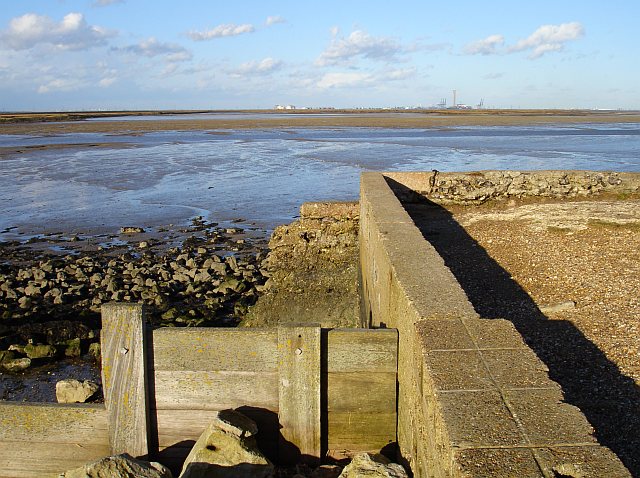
[(24, 302), (72, 348), (131, 230), (16, 365), (560, 307), (95, 351), (143, 245), (6, 356), (119, 466), (365, 464), (326, 471), (231, 284), (74, 391), (40, 351), (227, 448)]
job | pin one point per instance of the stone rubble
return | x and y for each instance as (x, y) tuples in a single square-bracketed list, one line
[(50, 304)]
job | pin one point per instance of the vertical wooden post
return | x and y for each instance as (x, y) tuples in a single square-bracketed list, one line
[(299, 392), (124, 378)]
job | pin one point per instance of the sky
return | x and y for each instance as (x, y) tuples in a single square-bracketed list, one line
[(61, 55)]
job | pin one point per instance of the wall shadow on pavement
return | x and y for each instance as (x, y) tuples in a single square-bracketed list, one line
[(609, 399)]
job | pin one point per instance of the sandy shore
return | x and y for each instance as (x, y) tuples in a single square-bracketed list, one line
[(430, 119)]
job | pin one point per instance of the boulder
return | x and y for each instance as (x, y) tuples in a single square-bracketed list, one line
[(40, 351), (373, 466), (227, 448), (16, 365), (72, 348), (74, 391), (119, 466)]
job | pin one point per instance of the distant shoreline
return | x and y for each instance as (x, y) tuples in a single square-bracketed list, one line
[(74, 122)]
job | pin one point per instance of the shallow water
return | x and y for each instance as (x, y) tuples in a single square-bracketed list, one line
[(263, 176)]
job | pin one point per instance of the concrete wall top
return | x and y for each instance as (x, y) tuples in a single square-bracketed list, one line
[(480, 186), (416, 267)]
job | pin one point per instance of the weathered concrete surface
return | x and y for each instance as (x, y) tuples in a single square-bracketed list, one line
[(473, 400), (481, 186), (313, 270)]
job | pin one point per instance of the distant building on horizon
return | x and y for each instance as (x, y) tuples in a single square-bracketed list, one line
[(285, 107)]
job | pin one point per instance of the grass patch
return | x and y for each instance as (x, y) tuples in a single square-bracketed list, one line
[(603, 224), (559, 230)]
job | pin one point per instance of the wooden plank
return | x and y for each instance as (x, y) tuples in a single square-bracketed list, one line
[(299, 387), (361, 391), (216, 390), (37, 460), (202, 349), (362, 350), (124, 378), (175, 426), (360, 431), (52, 422)]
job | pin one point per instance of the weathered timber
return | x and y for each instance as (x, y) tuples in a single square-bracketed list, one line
[(46, 460), (175, 426), (39, 440), (362, 350), (361, 392), (124, 378), (216, 390), (350, 432), (299, 392), (193, 349)]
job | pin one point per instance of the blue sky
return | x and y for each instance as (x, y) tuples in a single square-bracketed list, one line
[(143, 54)]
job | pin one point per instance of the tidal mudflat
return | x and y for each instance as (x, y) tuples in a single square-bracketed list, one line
[(214, 189), (97, 176)]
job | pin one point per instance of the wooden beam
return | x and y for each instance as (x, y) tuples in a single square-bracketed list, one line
[(216, 390), (206, 349), (299, 393), (124, 378), (362, 350)]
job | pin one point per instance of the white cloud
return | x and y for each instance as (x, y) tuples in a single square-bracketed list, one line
[(359, 43), (399, 74), (272, 20), (106, 82), (104, 3), (72, 33), (486, 46), (60, 84), (151, 47), (549, 38), (263, 67), (492, 76), (226, 30), (344, 80)]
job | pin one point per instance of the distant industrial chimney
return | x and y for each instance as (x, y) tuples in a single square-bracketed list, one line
[(454, 98)]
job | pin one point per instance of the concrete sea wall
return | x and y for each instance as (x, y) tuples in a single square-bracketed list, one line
[(481, 186), (473, 399)]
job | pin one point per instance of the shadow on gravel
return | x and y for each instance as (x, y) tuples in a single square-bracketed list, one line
[(609, 399)]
